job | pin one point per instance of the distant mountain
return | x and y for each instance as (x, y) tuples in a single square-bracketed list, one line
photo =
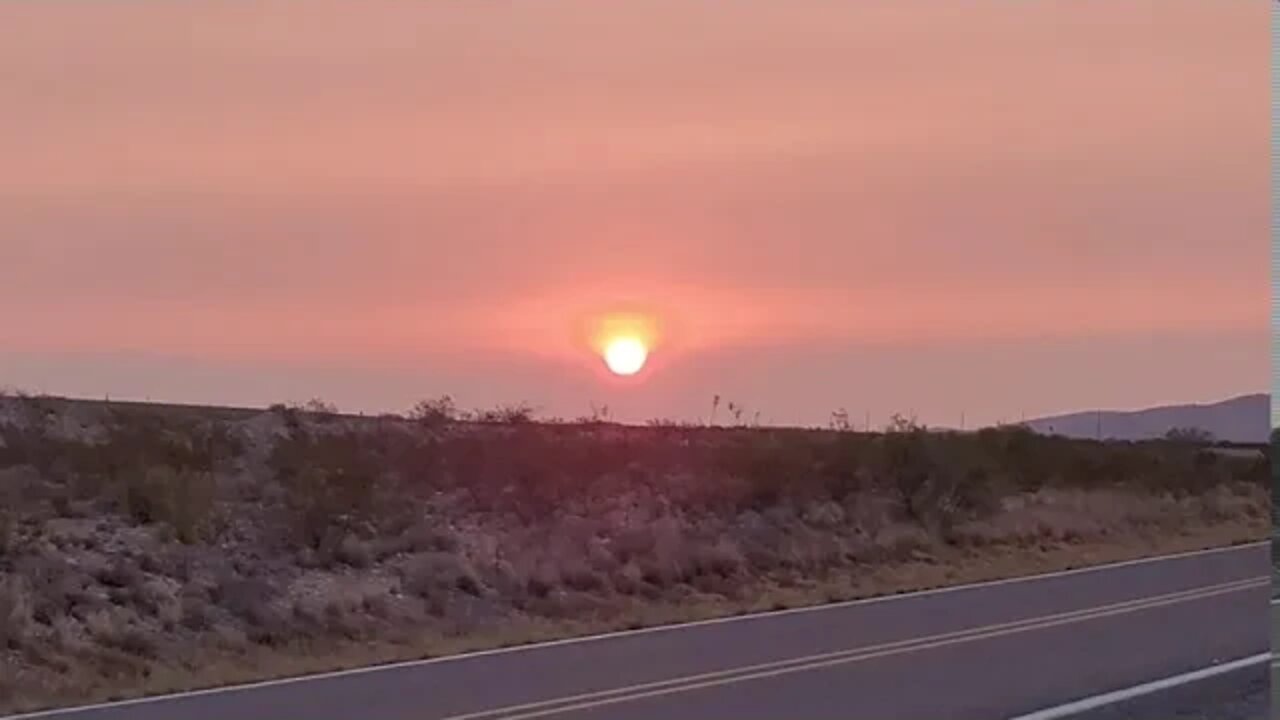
[(1241, 419)]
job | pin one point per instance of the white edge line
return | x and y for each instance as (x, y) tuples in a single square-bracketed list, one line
[(1090, 703), (68, 711)]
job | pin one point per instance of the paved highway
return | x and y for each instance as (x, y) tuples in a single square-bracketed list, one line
[(1275, 663), (1241, 694), (985, 652)]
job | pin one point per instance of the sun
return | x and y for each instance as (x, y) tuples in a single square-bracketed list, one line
[(625, 355), (624, 337)]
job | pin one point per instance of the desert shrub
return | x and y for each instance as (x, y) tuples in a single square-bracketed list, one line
[(120, 573), (217, 446), (144, 597), (1255, 472), (15, 612), (426, 536), (343, 620), (528, 478), (578, 575), (773, 464), (377, 605), (330, 484), (435, 411), (900, 541), (154, 471), (438, 572), (320, 408), (196, 614), (56, 586), (354, 552), (8, 532), (412, 461), (33, 445), (143, 439), (516, 414), (253, 601), (1224, 503), (1028, 459), (909, 465), (15, 446), (1189, 435), (721, 559), (183, 499), (130, 640)]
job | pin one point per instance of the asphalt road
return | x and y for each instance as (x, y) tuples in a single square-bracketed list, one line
[(1240, 695), (987, 652), (1275, 664)]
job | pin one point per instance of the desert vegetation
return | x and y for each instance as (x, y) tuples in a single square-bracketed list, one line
[(150, 548)]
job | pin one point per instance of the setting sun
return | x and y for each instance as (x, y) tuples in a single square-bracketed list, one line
[(623, 337), (625, 355)]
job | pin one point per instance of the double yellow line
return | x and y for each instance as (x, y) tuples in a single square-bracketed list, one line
[(631, 693)]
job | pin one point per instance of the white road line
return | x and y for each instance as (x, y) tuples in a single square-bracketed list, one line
[(640, 631), (1097, 701)]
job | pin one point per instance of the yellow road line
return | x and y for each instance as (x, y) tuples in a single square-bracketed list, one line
[(543, 708)]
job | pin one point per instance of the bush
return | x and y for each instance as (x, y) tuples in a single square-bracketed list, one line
[(520, 413), (437, 572), (8, 532), (183, 499), (437, 411), (330, 484), (354, 552), (252, 600), (15, 612), (1189, 435), (130, 640)]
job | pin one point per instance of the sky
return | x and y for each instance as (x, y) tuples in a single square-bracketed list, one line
[(984, 210)]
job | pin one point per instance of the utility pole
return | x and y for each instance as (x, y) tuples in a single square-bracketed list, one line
[(1098, 417)]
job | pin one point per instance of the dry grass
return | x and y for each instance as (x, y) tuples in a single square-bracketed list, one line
[(142, 553)]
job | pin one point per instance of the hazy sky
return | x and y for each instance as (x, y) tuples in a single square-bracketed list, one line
[(987, 207)]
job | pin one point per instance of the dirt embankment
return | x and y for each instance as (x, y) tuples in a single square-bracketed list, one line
[(145, 550)]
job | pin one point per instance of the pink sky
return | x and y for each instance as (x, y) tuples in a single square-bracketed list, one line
[(986, 207)]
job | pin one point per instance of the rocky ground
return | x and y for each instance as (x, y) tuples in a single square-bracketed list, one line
[(145, 549)]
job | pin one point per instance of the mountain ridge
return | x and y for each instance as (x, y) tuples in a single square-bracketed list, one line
[(1242, 418)]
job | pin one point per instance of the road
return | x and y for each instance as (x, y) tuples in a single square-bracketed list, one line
[(1239, 695), (985, 652), (1275, 664)]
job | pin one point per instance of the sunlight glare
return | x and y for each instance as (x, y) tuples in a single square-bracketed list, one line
[(625, 355)]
